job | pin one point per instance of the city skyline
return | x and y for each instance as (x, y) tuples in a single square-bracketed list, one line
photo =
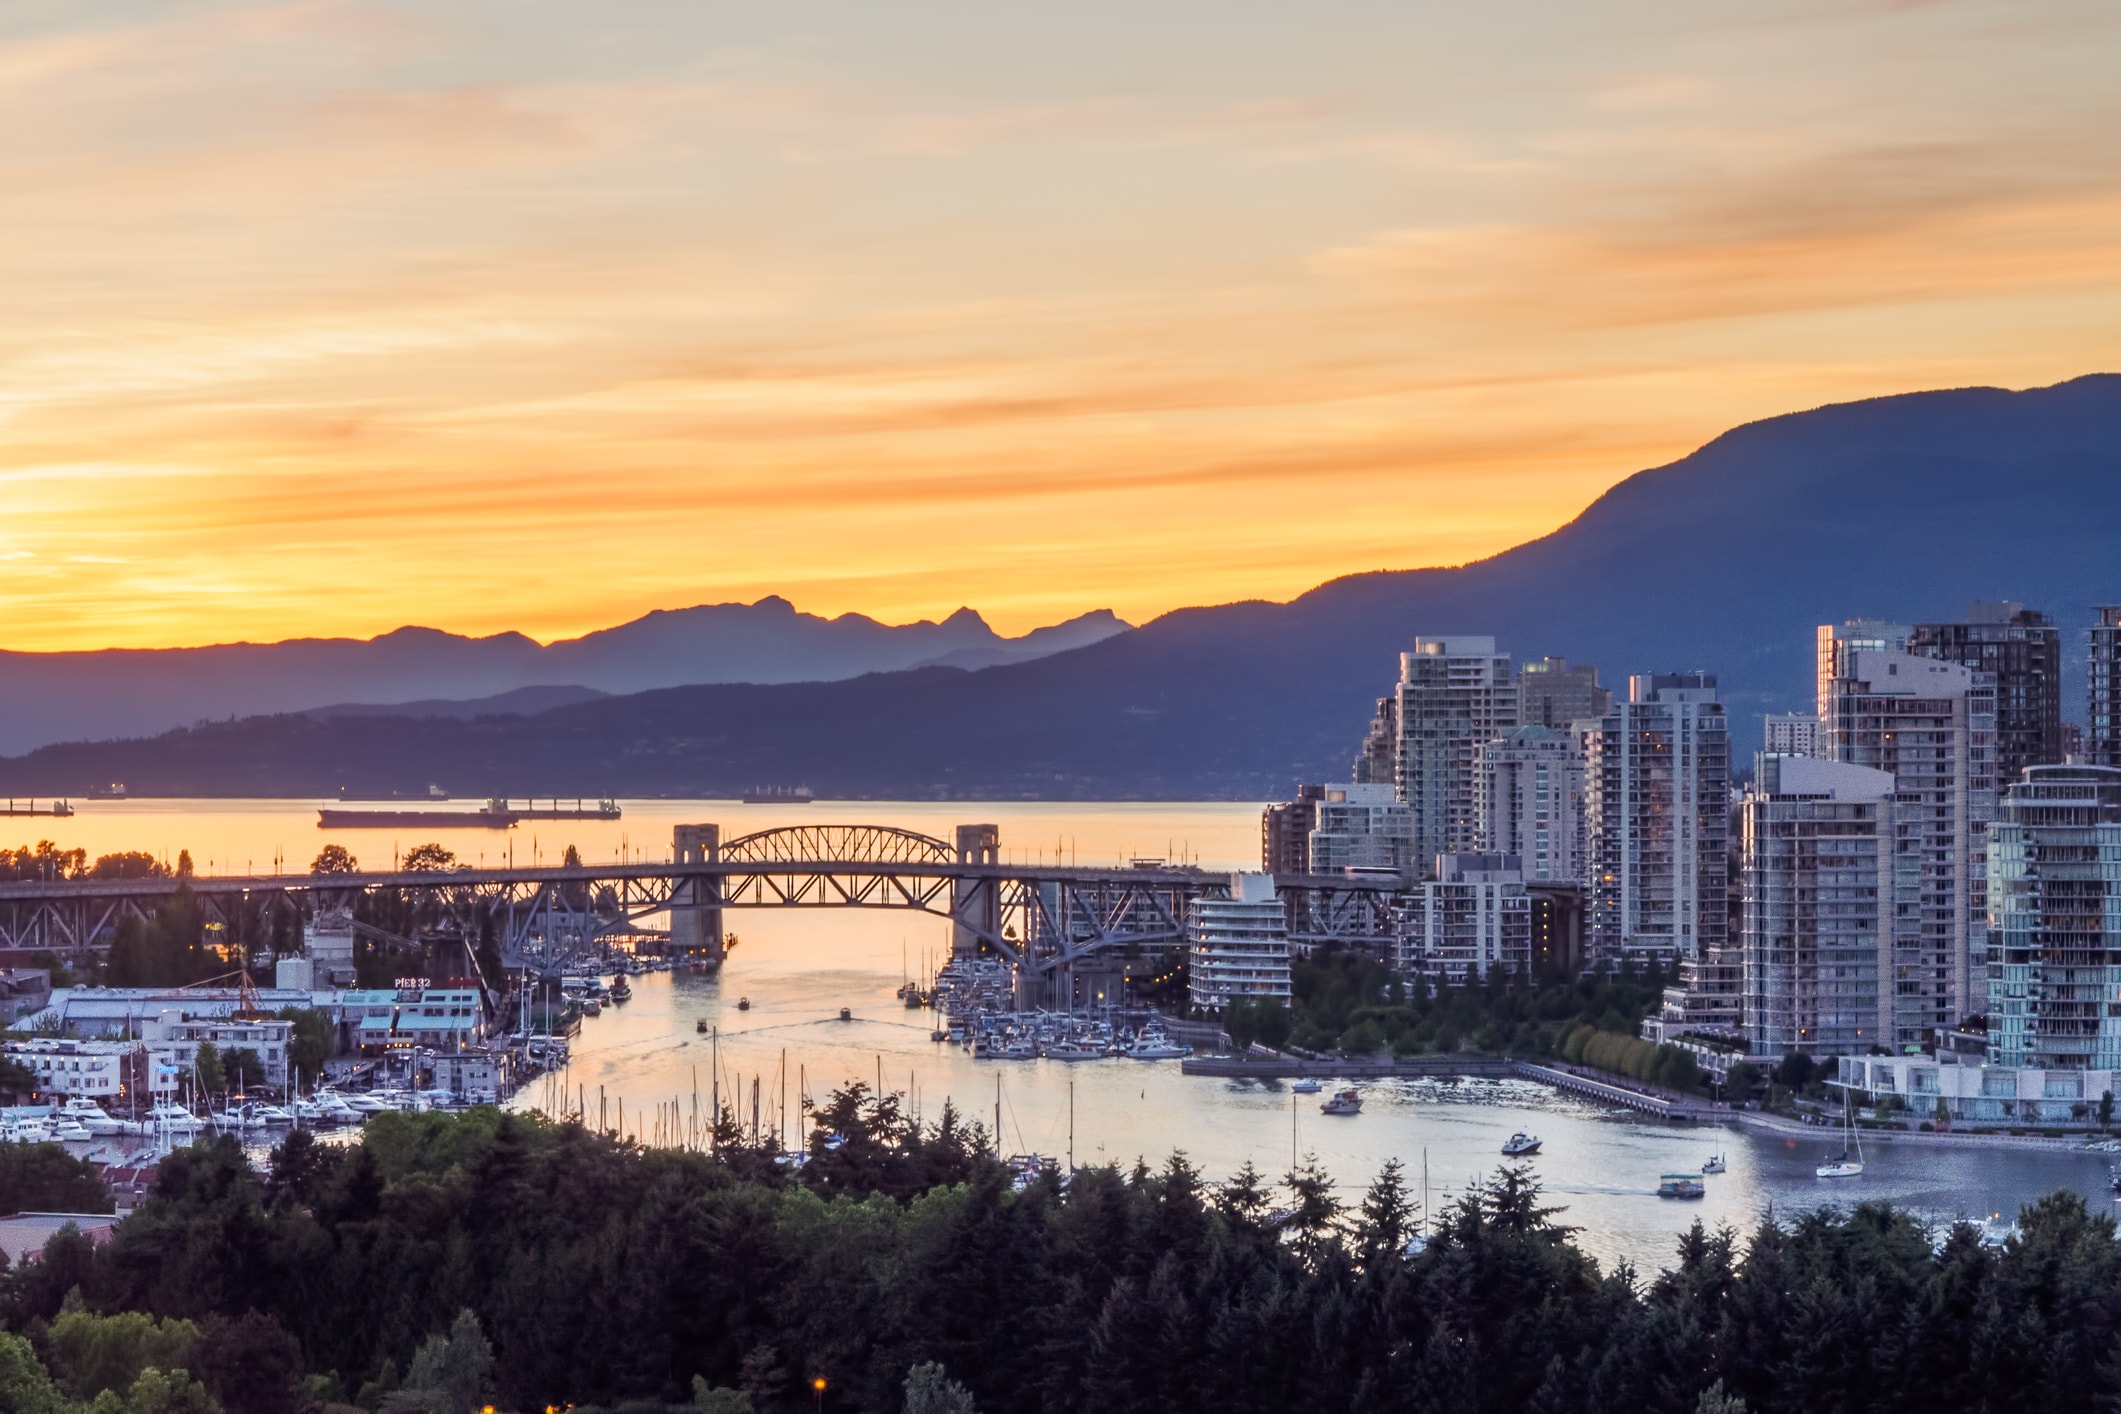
[(330, 318)]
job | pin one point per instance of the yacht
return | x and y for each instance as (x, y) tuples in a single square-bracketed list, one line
[(93, 1118), (1154, 1045), (1307, 1086), (1521, 1145), (259, 1114), (1681, 1185), (173, 1119), (1714, 1164), (71, 1131), (1074, 1051), (1849, 1162), (372, 1103), (1343, 1102)]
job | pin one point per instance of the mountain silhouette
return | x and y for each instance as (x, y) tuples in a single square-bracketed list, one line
[(46, 697), (1902, 508)]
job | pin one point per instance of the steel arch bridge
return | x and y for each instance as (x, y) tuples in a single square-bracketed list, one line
[(840, 844), (1043, 918)]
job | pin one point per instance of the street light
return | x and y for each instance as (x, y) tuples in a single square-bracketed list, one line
[(818, 1384)]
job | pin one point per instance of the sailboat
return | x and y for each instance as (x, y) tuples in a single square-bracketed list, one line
[(1843, 1165)]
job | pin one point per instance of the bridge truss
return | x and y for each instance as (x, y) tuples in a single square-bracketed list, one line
[(549, 919)]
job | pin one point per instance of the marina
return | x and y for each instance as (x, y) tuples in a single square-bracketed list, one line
[(815, 1000)]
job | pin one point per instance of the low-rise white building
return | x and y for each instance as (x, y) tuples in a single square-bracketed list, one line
[(1238, 946), (1974, 1092), (179, 1036), (96, 1069)]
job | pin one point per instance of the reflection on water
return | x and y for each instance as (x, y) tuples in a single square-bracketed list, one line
[(798, 970), (799, 967)]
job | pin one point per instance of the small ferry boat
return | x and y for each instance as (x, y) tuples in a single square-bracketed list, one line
[(1521, 1144), (743, 1003), (1714, 1164), (1681, 1185), (621, 991), (1343, 1102), (700, 1026), (1307, 1086)]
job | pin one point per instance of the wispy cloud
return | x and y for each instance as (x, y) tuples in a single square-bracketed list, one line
[(325, 316)]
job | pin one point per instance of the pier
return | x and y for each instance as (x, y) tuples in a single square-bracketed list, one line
[(58, 808)]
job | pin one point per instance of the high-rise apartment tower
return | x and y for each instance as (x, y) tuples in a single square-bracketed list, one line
[(1656, 809), (1932, 726), (1455, 694), (2022, 648)]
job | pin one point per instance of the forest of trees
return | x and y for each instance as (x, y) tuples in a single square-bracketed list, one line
[(441, 1262)]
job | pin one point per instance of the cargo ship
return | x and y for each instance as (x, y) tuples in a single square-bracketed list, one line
[(491, 816), (777, 795), (496, 814)]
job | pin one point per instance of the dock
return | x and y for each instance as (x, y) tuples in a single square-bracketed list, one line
[(58, 808)]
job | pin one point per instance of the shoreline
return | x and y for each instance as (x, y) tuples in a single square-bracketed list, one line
[(1677, 1109)]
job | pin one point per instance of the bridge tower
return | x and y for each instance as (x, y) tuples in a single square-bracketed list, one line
[(696, 903), (975, 904)]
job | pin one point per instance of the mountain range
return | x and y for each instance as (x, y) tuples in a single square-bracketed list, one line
[(47, 697), (1902, 508)]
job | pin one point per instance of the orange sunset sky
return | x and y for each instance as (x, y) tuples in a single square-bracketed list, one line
[(325, 317)]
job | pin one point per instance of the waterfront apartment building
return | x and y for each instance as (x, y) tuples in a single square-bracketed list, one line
[(1285, 832), (1238, 946), (2022, 649), (1838, 641), (2054, 889), (1817, 852), (1362, 827), (1792, 734), (1454, 695), (1473, 917), (1552, 693), (1969, 1092), (1531, 801), (2102, 736), (1656, 809), (1931, 725)]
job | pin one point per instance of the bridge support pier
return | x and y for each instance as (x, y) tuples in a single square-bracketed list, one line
[(975, 904), (696, 903)]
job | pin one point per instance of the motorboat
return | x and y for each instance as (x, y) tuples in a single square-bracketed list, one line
[(743, 1003), (1152, 1046), (1343, 1102), (173, 1119), (621, 990), (1713, 1164), (700, 1026), (372, 1103), (846, 1013), (71, 1131), (96, 1120), (1681, 1185), (1307, 1086), (1521, 1145), (1074, 1051)]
